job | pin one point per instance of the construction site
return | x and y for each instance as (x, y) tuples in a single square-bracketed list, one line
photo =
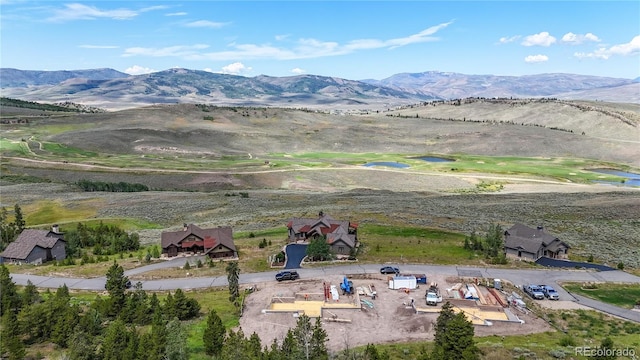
[(357, 309)]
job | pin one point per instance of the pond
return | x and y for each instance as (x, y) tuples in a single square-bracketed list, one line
[(387, 163), (434, 159), (632, 179)]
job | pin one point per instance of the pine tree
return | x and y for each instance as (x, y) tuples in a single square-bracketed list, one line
[(10, 344), (254, 347), (115, 341), (176, 348), (213, 336), (319, 338), (233, 277), (9, 298), (116, 286), (158, 336), (234, 346), (81, 346), (19, 219), (454, 336), (30, 294)]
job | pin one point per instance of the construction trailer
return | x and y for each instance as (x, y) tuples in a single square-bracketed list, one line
[(403, 282)]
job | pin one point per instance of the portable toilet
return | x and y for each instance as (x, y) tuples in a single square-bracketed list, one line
[(497, 284)]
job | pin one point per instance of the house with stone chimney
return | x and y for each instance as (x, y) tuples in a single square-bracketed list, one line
[(36, 247)]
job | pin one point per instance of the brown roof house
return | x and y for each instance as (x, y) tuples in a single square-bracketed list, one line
[(523, 242), (36, 247), (342, 235), (214, 242)]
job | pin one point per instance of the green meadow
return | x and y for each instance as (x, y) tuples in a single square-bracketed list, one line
[(623, 295)]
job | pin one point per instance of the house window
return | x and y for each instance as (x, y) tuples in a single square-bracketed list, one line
[(519, 253), (341, 249)]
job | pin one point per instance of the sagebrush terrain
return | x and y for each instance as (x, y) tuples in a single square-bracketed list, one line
[(516, 161)]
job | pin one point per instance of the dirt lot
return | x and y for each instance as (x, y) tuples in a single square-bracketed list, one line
[(391, 320)]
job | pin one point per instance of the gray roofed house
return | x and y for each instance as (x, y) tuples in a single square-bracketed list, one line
[(36, 246), (523, 242)]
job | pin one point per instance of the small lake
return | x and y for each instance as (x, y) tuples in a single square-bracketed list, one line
[(632, 179), (434, 159), (387, 163)]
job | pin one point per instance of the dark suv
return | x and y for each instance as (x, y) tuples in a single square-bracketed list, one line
[(287, 275), (389, 270)]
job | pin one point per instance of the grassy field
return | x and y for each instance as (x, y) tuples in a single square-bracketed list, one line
[(623, 295), (397, 244), (583, 329)]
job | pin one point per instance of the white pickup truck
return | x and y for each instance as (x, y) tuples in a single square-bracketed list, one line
[(432, 296)]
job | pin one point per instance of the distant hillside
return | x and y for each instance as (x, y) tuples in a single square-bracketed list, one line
[(111, 89), (455, 86), (20, 78)]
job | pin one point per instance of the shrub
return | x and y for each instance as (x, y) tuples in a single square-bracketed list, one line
[(263, 243), (199, 264), (620, 265), (187, 266), (567, 341), (590, 258)]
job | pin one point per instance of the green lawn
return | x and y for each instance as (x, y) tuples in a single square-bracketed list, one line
[(623, 295), (400, 244)]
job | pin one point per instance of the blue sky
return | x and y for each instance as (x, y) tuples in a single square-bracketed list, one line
[(348, 39)]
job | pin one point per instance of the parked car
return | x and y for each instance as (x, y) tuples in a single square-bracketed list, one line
[(549, 292), (534, 291), (287, 275), (389, 270)]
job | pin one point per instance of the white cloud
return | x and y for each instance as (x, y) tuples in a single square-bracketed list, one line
[(541, 39), (536, 58), (178, 50), (181, 13), (301, 49), (627, 49), (205, 24), (76, 11), (579, 38), (98, 46), (281, 37), (506, 40), (138, 70), (235, 68), (298, 71)]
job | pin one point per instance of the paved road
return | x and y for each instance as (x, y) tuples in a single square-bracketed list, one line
[(518, 277), (607, 308)]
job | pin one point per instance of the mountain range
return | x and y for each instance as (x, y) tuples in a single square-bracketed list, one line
[(109, 88)]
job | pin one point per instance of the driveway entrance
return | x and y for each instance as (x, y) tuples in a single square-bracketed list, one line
[(294, 255)]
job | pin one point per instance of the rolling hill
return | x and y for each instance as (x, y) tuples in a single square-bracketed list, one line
[(111, 89)]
